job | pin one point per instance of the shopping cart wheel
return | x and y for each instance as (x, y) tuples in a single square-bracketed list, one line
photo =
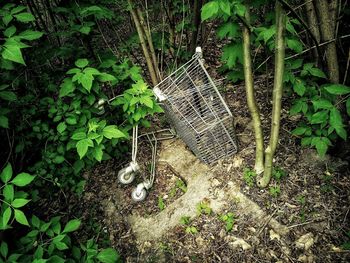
[(138, 195), (124, 177)]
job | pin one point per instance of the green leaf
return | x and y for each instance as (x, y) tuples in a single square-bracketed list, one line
[(240, 9), (337, 89), (60, 246), (322, 104), (85, 30), (13, 52), (229, 29), (98, 152), (295, 45), (336, 121), (321, 145), (8, 95), (19, 202), (30, 35), (79, 136), (299, 87), (4, 249), (23, 179), (147, 101), (58, 159), (17, 9), (61, 127), (72, 225), (232, 53), (86, 81), (24, 17), (4, 122), (299, 131), (319, 117), (108, 255), (6, 173), (8, 192), (106, 77), (225, 7), (209, 10), (348, 106), (7, 19), (71, 120), (6, 216), (35, 221), (66, 87), (112, 131), (9, 32), (81, 63), (83, 145), (21, 217), (317, 73)]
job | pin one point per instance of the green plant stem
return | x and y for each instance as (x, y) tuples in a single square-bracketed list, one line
[(277, 95)]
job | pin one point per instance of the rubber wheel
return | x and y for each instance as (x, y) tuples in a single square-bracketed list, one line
[(124, 178), (138, 197)]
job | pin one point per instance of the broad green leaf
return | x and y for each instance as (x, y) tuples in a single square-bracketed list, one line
[(13, 53), (98, 152), (6, 173), (24, 17), (30, 35), (306, 141), (4, 121), (209, 10), (85, 30), (73, 71), (299, 131), (225, 7), (336, 121), (66, 87), (71, 120), (83, 145), (317, 73), (8, 95), (17, 9), (58, 159), (337, 89), (4, 249), (21, 217), (79, 136), (321, 145), (23, 179), (228, 29), (78, 166), (60, 246), (8, 192), (19, 202), (232, 53), (319, 117), (299, 87), (9, 32), (112, 131), (6, 216), (72, 225), (322, 104), (147, 101), (108, 255), (240, 9), (91, 71), (61, 127), (295, 45), (35, 221), (106, 77), (348, 106), (86, 81), (296, 108), (81, 63)]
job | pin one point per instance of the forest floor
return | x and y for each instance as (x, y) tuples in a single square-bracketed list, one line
[(180, 220)]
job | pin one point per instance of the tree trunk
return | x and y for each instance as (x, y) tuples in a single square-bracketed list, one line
[(253, 108), (327, 30), (196, 23), (277, 95), (313, 25), (141, 35)]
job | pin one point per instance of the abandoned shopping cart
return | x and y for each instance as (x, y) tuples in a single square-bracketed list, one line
[(199, 114)]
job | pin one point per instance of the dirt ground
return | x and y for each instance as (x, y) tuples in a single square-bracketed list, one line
[(312, 203)]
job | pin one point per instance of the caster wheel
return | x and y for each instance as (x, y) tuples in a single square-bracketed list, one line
[(125, 178), (138, 197)]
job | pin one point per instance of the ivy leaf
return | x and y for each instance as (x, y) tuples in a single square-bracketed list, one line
[(229, 29), (83, 145), (25, 17), (23, 179), (8, 192), (66, 87), (8, 95), (19, 202), (6, 173), (112, 131), (108, 255), (232, 53), (81, 63), (209, 10), (21, 217), (13, 52), (337, 89), (30, 35), (71, 226)]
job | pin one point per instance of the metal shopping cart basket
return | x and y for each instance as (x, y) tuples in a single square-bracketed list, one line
[(198, 112)]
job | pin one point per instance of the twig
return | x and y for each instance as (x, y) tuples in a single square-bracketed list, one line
[(307, 222), (267, 222), (347, 68)]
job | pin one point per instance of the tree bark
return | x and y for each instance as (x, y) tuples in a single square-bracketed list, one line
[(327, 31), (196, 23), (313, 25), (277, 95), (253, 108)]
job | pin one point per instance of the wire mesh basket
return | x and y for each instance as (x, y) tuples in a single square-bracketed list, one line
[(196, 109)]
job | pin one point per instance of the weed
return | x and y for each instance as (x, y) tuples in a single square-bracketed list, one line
[(275, 191), (249, 176), (161, 204), (278, 173), (204, 208), (186, 220), (229, 219)]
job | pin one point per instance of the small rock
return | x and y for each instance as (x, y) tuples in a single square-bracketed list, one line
[(252, 229), (240, 243), (305, 241), (165, 197), (274, 235)]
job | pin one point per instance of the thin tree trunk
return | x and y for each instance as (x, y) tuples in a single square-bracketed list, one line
[(277, 95), (327, 30), (253, 108), (152, 72), (313, 25), (196, 23), (147, 32)]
